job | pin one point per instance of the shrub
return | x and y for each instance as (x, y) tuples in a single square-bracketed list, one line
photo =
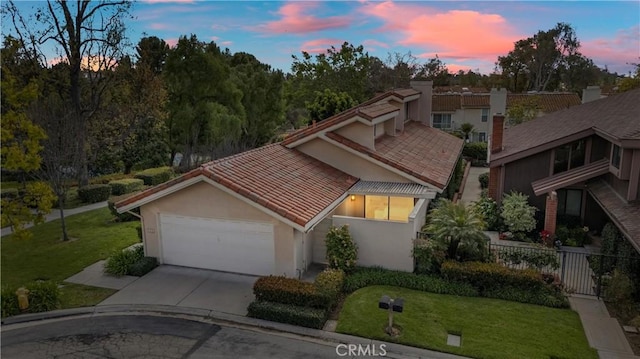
[(43, 296), (485, 276), (120, 263), (122, 217), (547, 299), (94, 193), (342, 252), (619, 292), (143, 266), (516, 212), (364, 277), (483, 178), (475, 150), (127, 185), (488, 209), (574, 237), (105, 179), (9, 302), (286, 313), (9, 193), (534, 259), (155, 176), (285, 290), (428, 257), (329, 282)]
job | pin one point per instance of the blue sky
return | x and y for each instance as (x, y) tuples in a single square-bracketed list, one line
[(465, 34)]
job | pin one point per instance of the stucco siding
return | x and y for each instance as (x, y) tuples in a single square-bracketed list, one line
[(359, 133), (205, 201), (348, 162)]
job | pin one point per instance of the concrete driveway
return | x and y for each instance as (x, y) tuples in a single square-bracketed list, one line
[(189, 287)]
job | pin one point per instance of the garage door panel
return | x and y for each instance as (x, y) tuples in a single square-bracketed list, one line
[(233, 246)]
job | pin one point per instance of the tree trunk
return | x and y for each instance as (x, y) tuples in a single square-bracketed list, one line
[(65, 236)]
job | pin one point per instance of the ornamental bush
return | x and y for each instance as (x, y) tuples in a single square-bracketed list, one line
[(127, 185), (292, 291), (287, 313), (475, 150), (329, 282), (155, 176), (94, 193), (483, 178), (342, 251), (516, 212), (488, 209), (491, 275)]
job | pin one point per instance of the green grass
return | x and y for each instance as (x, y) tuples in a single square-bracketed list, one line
[(94, 236), (78, 295), (490, 328)]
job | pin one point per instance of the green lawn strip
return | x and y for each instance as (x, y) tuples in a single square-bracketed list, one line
[(94, 236), (491, 328), (78, 295)]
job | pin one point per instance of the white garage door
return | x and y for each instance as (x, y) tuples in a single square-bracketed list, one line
[(232, 246)]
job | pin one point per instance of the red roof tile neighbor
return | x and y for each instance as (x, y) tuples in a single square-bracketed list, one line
[(420, 151), (286, 181), (445, 103), (547, 102)]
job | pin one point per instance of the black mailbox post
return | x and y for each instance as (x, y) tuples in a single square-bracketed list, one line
[(392, 305)]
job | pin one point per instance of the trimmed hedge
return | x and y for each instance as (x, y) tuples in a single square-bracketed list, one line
[(286, 313), (285, 290), (483, 178), (127, 185), (475, 150), (488, 276), (545, 298), (155, 176), (94, 193), (364, 277)]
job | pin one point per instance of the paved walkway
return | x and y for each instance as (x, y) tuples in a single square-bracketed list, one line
[(55, 214), (472, 187)]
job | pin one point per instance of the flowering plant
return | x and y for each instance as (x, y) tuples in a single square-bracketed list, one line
[(545, 237)]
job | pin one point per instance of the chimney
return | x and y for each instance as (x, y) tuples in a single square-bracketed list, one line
[(497, 133), (424, 103), (591, 93), (498, 101)]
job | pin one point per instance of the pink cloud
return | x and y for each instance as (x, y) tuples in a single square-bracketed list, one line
[(171, 42), (294, 19), (460, 34), (319, 46), (371, 44), (453, 68), (226, 43), (615, 52), (159, 26)]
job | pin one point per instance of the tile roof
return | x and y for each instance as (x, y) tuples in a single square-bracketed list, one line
[(421, 151), (570, 177), (617, 115), (547, 101), (624, 215), (286, 181)]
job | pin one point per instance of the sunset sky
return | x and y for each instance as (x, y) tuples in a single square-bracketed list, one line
[(465, 35)]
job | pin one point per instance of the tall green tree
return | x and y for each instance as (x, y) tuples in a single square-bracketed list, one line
[(631, 82), (152, 52), (329, 103), (204, 104), (436, 70)]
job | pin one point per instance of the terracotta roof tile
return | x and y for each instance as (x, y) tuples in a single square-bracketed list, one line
[(547, 101), (445, 103), (420, 151), (476, 100), (617, 115)]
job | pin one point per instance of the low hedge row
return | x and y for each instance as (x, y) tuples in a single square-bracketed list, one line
[(292, 291), (287, 313), (486, 276), (130, 262), (43, 297), (127, 185), (155, 176), (364, 277), (540, 297), (94, 193)]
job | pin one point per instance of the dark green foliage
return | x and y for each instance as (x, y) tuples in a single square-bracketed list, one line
[(456, 179), (545, 298), (484, 180), (329, 103), (122, 217), (491, 275), (286, 313), (139, 231), (9, 193), (342, 251), (128, 185), (292, 291), (43, 296), (155, 176), (574, 237), (364, 277), (94, 193), (569, 220), (122, 262), (428, 257), (532, 258), (329, 282), (475, 151), (488, 209), (143, 266)]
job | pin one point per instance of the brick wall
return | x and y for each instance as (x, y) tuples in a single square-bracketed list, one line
[(551, 211)]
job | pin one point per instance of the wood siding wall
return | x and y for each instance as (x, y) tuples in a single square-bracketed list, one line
[(519, 175)]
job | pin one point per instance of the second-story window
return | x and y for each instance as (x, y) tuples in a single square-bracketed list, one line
[(569, 156), (442, 121), (615, 156), (485, 115)]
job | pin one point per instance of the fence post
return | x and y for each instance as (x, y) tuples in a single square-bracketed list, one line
[(600, 270), (562, 266)]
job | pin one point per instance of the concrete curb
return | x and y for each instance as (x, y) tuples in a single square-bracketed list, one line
[(196, 314)]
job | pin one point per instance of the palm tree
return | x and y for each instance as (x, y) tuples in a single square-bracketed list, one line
[(466, 129), (458, 229)]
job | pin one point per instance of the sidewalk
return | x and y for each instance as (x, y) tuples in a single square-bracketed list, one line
[(55, 214), (603, 332), (472, 186)]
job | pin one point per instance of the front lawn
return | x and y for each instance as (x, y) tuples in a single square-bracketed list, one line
[(94, 236), (490, 328)]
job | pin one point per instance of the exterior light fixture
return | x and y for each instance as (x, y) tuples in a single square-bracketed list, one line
[(353, 197)]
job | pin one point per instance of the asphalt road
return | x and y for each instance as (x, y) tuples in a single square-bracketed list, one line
[(135, 336)]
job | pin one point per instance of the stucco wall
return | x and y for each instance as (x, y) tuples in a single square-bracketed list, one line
[(348, 162), (204, 200), (472, 116), (359, 133)]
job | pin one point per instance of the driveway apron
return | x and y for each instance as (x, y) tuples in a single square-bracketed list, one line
[(189, 287)]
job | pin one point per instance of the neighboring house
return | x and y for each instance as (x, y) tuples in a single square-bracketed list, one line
[(266, 211), (450, 110), (583, 161)]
